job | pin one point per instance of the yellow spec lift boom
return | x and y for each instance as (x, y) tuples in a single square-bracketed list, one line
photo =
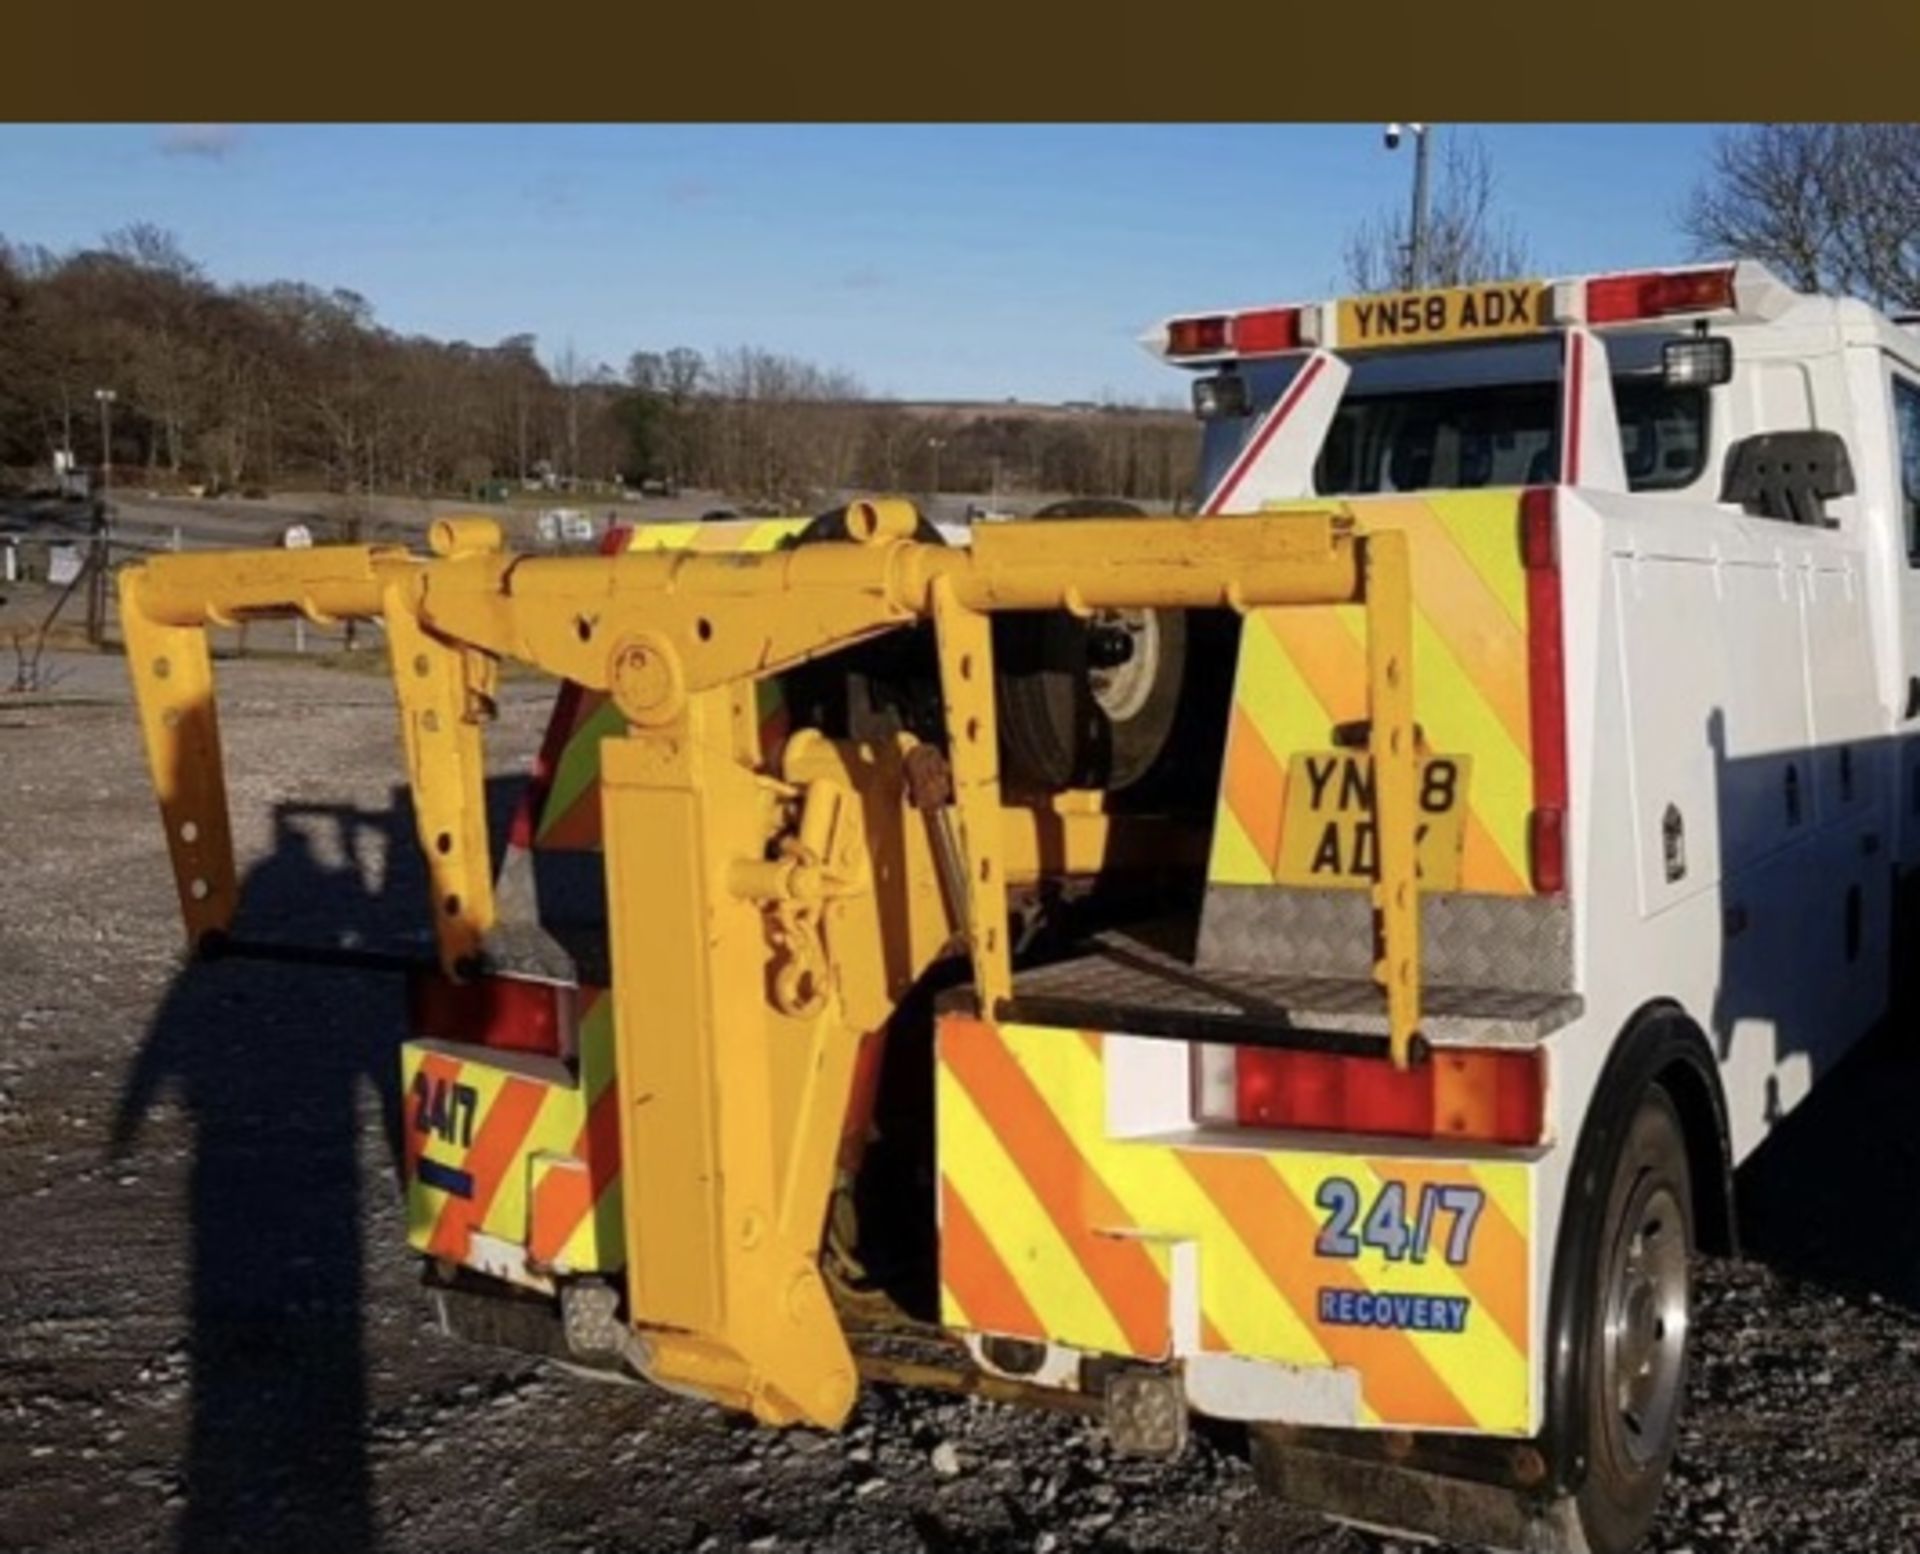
[(761, 922)]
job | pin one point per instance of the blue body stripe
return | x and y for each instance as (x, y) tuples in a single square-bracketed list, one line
[(444, 1177)]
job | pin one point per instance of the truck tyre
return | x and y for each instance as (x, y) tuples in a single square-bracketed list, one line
[(874, 688), (1089, 703), (1637, 1328)]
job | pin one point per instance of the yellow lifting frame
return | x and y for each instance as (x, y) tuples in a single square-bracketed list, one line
[(761, 922)]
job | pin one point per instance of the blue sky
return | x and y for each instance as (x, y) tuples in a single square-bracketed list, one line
[(931, 261)]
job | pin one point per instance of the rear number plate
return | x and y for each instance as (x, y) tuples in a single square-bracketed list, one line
[(1327, 832), (1455, 313)]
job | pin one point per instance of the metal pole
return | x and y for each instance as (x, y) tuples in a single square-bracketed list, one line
[(105, 396), (100, 560), (1417, 235), (353, 528)]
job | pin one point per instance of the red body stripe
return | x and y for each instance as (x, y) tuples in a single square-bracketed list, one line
[(1576, 386), (1295, 392), (1546, 695)]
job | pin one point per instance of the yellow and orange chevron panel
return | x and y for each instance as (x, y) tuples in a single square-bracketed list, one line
[(1302, 672), (1412, 1273), (513, 1162), (760, 534)]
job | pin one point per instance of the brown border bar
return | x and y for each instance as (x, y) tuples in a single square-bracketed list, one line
[(1039, 60)]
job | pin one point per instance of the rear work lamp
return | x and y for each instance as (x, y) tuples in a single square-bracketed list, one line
[(1698, 362)]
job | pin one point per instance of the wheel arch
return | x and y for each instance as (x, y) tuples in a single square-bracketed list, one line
[(1692, 1080), (1659, 1044)]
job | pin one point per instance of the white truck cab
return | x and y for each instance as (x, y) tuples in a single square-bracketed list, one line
[(1666, 539)]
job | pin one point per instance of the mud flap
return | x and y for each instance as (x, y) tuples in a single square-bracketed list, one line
[(1367, 1490)]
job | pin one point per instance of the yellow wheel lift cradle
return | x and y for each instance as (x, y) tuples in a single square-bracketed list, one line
[(763, 921)]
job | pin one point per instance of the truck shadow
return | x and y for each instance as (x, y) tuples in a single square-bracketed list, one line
[(1828, 1197), (1815, 940), (288, 1079)]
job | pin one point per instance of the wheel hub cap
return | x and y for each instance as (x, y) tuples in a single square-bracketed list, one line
[(1121, 689), (1646, 1321)]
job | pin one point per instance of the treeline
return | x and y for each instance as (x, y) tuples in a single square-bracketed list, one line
[(289, 385)]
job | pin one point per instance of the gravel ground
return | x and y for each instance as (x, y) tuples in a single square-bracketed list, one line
[(211, 1334)]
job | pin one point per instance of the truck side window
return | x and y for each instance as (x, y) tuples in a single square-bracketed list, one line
[(1906, 420), (1663, 433)]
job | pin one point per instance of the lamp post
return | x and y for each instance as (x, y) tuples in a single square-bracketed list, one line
[(102, 524), (936, 444), (1417, 229), (106, 397)]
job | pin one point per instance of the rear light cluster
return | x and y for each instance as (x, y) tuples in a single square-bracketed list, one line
[(505, 1014), (1546, 689), (1262, 332), (1476, 1096), (1200, 336), (1617, 299)]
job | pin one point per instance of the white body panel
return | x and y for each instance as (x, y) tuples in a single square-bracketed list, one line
[(1724, 668)]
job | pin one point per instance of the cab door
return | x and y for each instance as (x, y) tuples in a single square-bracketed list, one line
[(1903, 383)]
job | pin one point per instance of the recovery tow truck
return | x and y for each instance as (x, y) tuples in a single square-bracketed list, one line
[(1312, 964)]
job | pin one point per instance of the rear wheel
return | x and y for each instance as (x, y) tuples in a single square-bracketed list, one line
[(1091, 703), (876, 688), (1637, 1338)]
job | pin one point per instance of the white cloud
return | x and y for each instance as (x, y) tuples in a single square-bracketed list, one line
[(213, 141)]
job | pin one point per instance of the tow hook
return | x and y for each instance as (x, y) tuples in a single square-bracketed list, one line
[(590, 1319), (1147, 1413)]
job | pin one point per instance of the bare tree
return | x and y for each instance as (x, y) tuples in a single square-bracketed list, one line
[(779, 430), (244, 387), (681, 370), (570, 372), (1467, 239), (1833, 207)]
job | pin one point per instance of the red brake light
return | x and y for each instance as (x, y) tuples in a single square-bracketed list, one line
[(1211, 336), (1266, 332), (1261, 332), (1614, 299), (1547, 848), (508, 1014), (1546, 688), (1480, 1095)]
